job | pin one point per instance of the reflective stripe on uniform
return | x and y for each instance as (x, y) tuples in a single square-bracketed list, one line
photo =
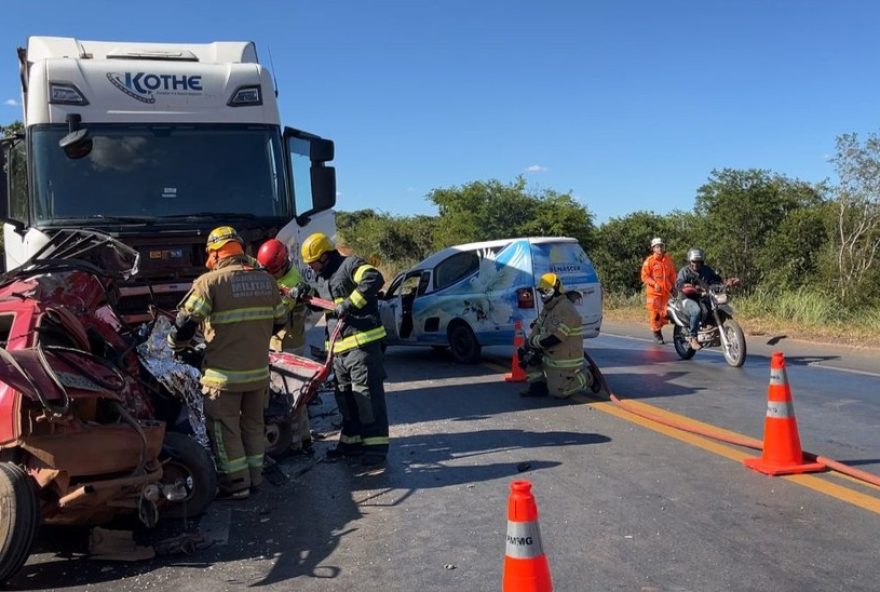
[(256, 313), (523, 540), (338, 300), (226, 465), (358, 299), (377, 441), (218, 378), (360, 271), (581, 385), (564, 363), (358, 339), (343, 439), (569, 331), (255, 461), (197, 306), (780, 410)]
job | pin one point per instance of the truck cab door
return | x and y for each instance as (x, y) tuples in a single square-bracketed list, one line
[(312, 183)]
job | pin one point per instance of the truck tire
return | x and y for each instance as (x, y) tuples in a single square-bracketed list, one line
[(463, 344), (188, 460), (19, 519)]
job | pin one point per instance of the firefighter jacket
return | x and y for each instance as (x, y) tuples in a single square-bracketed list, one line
[(560, 319), (239, 308), (293, 335), (353, 282), (658, 275)]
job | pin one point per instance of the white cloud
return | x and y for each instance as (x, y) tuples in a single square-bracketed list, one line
[(536, 168), (11, 103), (338, 194)]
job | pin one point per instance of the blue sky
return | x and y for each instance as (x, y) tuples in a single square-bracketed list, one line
[(628, 105)]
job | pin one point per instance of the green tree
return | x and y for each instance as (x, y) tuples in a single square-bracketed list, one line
[(623, 243), (739, 210), (856, 236), (16, 127), (488, 210)]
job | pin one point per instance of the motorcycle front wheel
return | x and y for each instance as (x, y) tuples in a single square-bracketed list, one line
[(735, 352), (680, 341)]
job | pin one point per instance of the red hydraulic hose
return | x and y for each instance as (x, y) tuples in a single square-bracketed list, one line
[(737, 440)]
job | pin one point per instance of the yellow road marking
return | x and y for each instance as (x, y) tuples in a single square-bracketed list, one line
[(845, 494)]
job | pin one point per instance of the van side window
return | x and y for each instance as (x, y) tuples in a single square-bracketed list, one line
[(455, 268)]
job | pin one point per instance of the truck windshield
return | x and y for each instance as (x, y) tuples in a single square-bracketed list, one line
[(155, 171)]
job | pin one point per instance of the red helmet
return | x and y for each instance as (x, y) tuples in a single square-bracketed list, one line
[(273, 255)]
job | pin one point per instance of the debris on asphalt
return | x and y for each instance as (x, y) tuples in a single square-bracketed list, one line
[(117, 545)]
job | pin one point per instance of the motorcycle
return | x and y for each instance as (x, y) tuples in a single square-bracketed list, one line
[(81, 440), (717, 326)]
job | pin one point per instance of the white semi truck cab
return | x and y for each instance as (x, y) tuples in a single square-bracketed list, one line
[(156, 144)]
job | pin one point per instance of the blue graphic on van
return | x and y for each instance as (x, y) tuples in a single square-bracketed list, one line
[(573, 266), (486, 299), (144, 86)]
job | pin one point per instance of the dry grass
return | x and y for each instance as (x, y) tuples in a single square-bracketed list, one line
[(842, 333)]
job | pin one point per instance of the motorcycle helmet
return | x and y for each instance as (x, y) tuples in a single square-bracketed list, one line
[(695, 255)]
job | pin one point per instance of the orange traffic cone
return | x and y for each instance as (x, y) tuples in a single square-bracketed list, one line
[(517, 374), (525, 565), (782, 445)]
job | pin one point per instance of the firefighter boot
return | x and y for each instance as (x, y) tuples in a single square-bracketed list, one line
[(536, 389)]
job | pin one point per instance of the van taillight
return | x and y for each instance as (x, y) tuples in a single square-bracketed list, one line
[(525, 298)]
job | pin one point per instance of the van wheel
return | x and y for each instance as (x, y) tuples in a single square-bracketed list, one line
[(464, 345), (189, 461), (19, 518)]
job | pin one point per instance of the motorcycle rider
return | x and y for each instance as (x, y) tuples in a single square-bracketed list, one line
[(353, 285), (558, 334), (240, 309), (689, 284), (658, 275), (274, 257)]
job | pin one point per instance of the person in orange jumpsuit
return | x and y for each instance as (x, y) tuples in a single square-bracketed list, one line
[(658, 275)]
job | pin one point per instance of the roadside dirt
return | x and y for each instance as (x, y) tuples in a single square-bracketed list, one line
[(852, 337)]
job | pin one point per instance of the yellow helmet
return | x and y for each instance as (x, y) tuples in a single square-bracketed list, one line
[(314, 246), (548, 285), (220, 236)]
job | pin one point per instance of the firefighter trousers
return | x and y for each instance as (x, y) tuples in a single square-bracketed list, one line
[(563, 382), (235, 429), (360, 395)]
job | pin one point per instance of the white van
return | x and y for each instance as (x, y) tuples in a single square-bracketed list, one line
[(469, 296)]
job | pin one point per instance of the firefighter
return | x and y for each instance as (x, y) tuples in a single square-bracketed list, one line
[(558, 335), (658, 275), (240, 308), (353, 285), (274, 257)]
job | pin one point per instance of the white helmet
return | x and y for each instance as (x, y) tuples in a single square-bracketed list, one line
[(657, 241)]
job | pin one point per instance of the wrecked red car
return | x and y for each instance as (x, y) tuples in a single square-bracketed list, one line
[(85, 426)]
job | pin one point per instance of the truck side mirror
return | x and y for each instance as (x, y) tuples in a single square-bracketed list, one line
[(312, 181), (77, 143)]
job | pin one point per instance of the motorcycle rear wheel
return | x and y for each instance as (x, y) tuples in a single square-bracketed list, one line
[(19, 518), (680, 341), (735, 355)]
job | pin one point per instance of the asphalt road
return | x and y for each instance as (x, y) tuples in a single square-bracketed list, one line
[(625, 504)]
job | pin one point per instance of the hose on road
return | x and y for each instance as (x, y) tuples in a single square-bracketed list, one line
[(736, 439)]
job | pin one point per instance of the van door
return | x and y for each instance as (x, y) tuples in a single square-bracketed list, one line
[(573, 266), (396, 307)]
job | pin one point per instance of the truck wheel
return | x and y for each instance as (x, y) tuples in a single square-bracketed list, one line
[(279, 437), (188, 460), (19, 518), (463, 344)]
